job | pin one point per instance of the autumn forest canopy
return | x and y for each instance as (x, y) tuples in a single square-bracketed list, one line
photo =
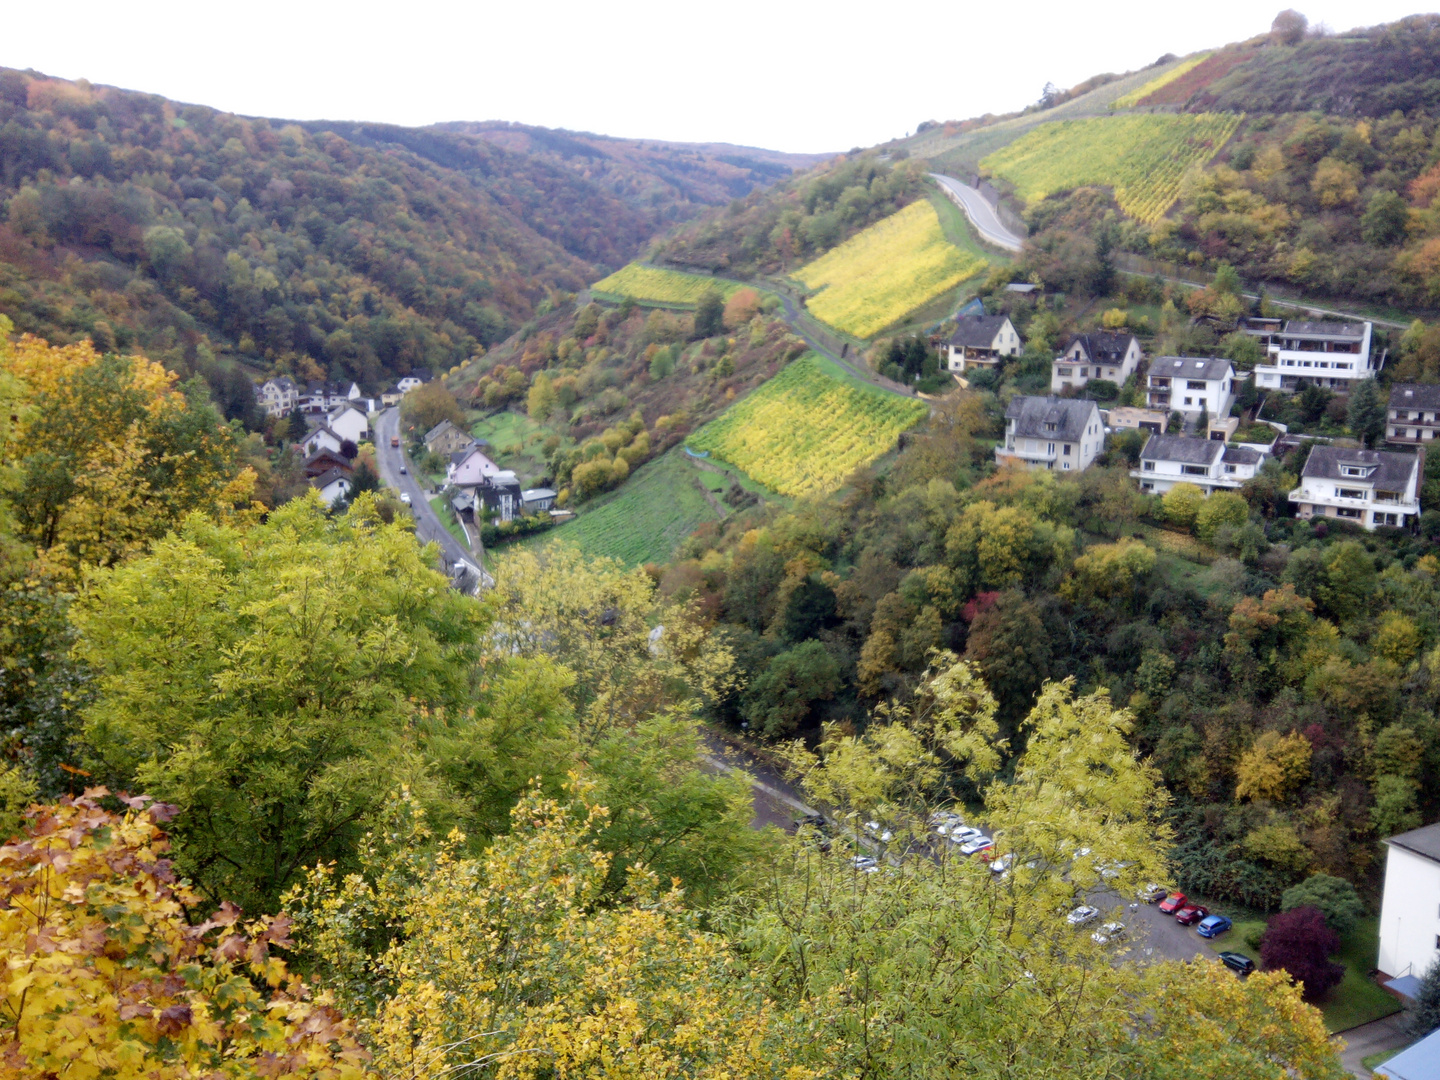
[(285, 797)]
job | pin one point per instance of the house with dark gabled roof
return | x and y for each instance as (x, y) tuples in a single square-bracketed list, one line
[(1051, 433), (322, 438), (982, 341), (1209, 464), (445, 439), (1100, 354), (1369, 487), (333, 485), (323, 460), (1413, 416), (1188, 384)]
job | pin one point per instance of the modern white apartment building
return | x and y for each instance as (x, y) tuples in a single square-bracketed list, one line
[(1334, 355)]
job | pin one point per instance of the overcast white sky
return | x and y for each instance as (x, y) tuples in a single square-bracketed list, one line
[(800, 76)]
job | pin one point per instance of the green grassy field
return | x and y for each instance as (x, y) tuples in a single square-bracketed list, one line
[(806, 430), (516, 442), (644, 520), (1357, 1000)]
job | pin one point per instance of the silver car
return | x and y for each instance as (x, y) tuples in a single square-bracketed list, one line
[(1082, 915)]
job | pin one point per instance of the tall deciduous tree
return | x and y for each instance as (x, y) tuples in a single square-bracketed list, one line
[(276, 682), (709, 314)]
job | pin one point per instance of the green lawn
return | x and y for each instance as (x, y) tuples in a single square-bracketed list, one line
[(1372, 1060), (516, 442), (1357, 1000), (447, 518), (645, 519)]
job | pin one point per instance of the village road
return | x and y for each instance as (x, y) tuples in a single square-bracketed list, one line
[(981, 214), (428, 526)]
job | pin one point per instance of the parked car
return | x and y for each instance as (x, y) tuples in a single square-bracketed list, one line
[(875, 829), (963, 834), (1213, 926), (1190, 914), (1110, 871), (1003, 863), (1237, 962), (405, 497), (1111, 931), (980, 843), (404, 471), (1172, 903), (1152, 893), (943, 820), (1082, 915), (865, 863)]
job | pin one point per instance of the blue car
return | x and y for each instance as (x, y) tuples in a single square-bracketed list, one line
[(1213, 926)]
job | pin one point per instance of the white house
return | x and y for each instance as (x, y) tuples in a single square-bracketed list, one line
[(277, 396), (471, 470), (1410, 907), (321, 397), (333, 486), (1368, 487), (1330, 354), (1188, 384), (1051, 433), (349, 422), (411, 381), (322, 438), (1100, 354), (982, 341), (1209, 464)]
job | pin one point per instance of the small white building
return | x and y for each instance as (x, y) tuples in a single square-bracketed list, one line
[(1051, 433), (982, 341), (1333, 355), (349, 422), (278, 397), (322, 438), (1369, 487), (1410, 907), (1100, 354), (411, 381), (1209, 464), (333, 486), (1188, 384)]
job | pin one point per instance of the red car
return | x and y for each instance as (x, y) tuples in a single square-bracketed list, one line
[(1190, 913), (1172, 903)]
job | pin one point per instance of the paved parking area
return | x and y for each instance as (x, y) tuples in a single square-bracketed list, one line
[(1160, 936)]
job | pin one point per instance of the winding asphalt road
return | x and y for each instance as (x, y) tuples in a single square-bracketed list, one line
[(981, 214), (428, 527)]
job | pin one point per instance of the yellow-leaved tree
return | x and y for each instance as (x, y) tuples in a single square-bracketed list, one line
[(105, 453), (105, 977), (514, 964)]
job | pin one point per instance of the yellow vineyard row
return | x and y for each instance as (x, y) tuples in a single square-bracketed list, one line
[(880, 275), (1143, 157)]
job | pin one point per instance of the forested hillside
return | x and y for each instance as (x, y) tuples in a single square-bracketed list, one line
[(355, 251)]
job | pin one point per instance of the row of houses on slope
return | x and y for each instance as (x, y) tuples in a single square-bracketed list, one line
[(281, 396), (1371, 488), (480, 489)]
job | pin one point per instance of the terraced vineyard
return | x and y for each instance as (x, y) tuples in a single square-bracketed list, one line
[(880, 275), (659, 286), (1142, 157), (807, 429), (1184, 67)]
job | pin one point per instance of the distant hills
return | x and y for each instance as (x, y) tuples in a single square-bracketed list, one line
[(347, 250)]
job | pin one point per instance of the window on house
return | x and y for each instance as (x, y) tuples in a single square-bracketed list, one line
[(1067, 449), (1350, 493), (1194, 470), (1049, 427), (1064, 372), (1229, 468), (1348, 512), (1149, 466), (1050, 448), (1194, 384), (1188, 401)]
